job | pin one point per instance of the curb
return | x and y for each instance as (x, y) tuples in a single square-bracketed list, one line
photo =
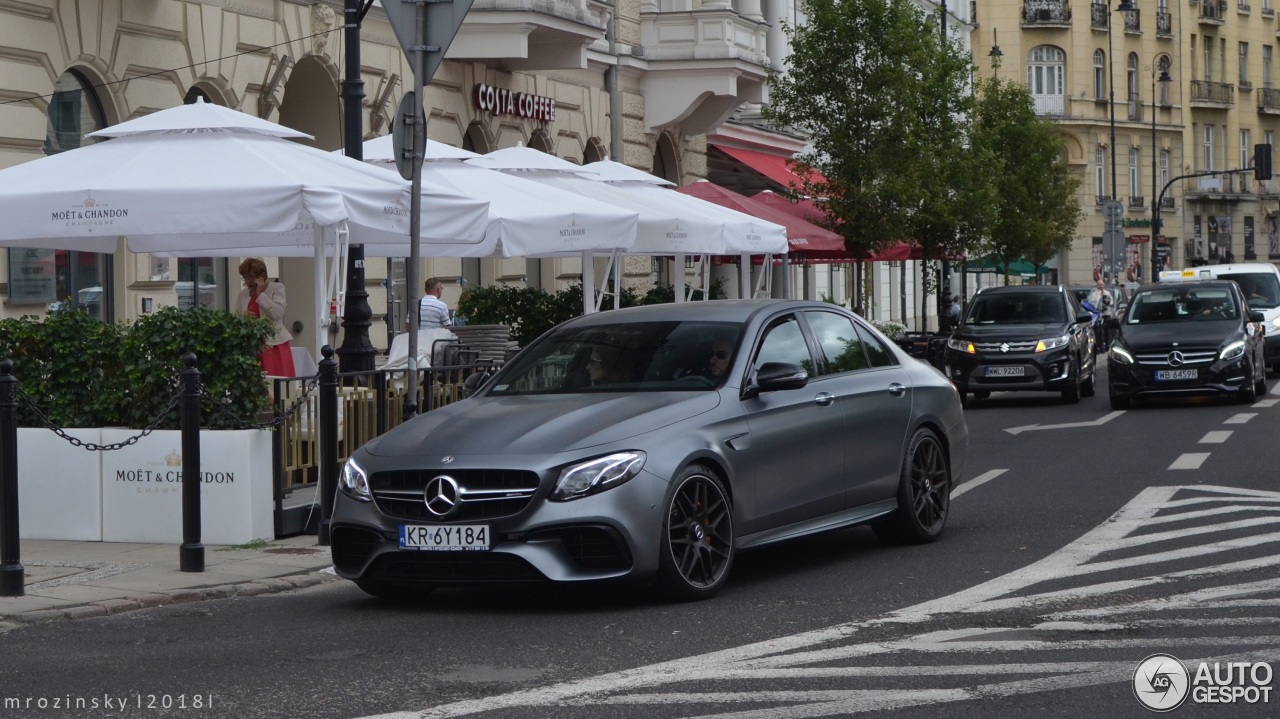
[(107, 607)]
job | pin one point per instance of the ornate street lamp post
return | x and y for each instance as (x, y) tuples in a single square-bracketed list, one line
[(1156, 198)]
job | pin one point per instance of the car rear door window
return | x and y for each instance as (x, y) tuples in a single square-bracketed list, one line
[(841, 345), (877, 353)]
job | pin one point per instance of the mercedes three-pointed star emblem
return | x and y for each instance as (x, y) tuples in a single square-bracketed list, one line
[(441, 495)]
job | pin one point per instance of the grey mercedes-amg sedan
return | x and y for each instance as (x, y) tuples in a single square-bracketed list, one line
[(651, 444)]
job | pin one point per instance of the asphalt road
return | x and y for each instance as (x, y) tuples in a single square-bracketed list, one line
[(1072, 554)]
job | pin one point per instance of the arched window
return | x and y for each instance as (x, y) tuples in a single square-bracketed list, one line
[(1099, 75), (1045, 70), (64, 275)]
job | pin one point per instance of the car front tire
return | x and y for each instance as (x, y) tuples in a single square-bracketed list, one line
[(1071, 395), (924, 494), (697, 536)]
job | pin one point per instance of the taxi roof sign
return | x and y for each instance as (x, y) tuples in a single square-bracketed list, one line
[(1182, 275)]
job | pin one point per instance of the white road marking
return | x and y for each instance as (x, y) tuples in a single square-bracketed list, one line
[(977, 481), (1263, 403), (1190, 460), (1241, 418), (811, 654), (1095, 423), (1215, 437)]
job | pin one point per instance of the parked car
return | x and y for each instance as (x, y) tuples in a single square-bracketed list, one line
[(652, 444), (1187, 338), (1024, 338)]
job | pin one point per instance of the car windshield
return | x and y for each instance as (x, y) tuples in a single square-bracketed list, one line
[(625, 357), (1182, 305), (1261, 290), (1016, 308)]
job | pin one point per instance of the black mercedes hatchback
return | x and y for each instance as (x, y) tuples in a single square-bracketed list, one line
[(1187, 338), (1027, 338)]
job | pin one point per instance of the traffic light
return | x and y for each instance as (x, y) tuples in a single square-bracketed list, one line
[(1262, 161)]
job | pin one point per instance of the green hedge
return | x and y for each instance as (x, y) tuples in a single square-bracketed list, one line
[(530, 311), (82, 372)]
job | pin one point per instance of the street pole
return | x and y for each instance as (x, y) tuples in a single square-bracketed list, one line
[(1157, 196), (356, 353), (1112, 262)]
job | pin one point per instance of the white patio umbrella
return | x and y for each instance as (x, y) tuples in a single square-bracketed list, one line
[(526, 219), (670, 223), (205, 180)]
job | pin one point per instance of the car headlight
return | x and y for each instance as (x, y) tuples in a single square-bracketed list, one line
[(597, 475), (1275, 324), (1232, 351), (961, 346), (1120, 354), (354, 482), (1052, 343)]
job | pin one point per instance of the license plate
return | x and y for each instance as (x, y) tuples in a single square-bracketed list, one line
[(1170, 374), (445, 538), (1005, 371)]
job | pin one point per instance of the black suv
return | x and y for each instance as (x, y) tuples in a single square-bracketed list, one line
[(1187, 338), (1022, 339)]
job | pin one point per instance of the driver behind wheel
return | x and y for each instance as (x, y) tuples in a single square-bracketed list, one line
[(718, 362)]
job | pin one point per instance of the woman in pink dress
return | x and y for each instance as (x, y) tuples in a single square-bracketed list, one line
[(263, 298)]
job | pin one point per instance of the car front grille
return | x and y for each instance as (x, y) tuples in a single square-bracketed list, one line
[(1190, 358), (996, 347), (483, 494)]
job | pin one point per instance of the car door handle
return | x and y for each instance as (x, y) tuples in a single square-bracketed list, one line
[(896, 389), (824, 399)]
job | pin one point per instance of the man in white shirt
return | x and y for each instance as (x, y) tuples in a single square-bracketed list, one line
[(433, 313)]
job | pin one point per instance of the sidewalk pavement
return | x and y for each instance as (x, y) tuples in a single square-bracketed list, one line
[(74, 580)]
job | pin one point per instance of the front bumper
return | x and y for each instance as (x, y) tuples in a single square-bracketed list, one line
[(1271, 349), (613, 535), (1048, 371), (1220, 377)]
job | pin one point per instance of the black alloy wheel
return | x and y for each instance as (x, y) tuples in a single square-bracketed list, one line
[(1071, 395), (924, 494), (697, 537), (1249, 390)]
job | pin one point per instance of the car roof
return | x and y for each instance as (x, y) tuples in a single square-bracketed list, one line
[(738, 311), (1021, 288)]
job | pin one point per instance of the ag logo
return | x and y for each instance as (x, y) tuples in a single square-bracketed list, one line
[(1161, 682)]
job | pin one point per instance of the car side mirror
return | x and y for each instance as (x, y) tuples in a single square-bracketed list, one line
[(473, 383), (1084, 317), (773, 376), (1256, 316), (1111, 323)]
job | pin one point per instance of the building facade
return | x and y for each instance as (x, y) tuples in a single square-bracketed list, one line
[(1095, 70)]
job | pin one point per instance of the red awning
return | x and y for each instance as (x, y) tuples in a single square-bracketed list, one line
[(774, 167), (802, 236)]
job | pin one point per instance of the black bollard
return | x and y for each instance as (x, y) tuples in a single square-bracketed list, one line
[(191, 553), (11, 572), (328, 440)]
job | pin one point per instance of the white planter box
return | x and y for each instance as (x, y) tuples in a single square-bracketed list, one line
[(59, 486), (142, 487)]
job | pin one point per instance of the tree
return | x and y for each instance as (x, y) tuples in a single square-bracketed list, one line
[(883, 101), (1036, 210)]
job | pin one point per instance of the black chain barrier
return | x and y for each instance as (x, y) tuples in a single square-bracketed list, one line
[(91, 446)]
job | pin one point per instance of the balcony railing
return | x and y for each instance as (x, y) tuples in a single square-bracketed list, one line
[(1137, 201), (1213, 12), (1133, 21), (1164, 24), (1049, 104), (1046, 12), (1269, 100), (1268, 11), (1243, 7), (1166, 203), (1215, 92), (1100, 15), (1135, 106)]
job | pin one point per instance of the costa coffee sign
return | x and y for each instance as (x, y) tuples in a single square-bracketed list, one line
[(505, 102)]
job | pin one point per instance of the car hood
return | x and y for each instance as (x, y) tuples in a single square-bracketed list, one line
[(1162, 335), (540, 424), (997, 333)]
